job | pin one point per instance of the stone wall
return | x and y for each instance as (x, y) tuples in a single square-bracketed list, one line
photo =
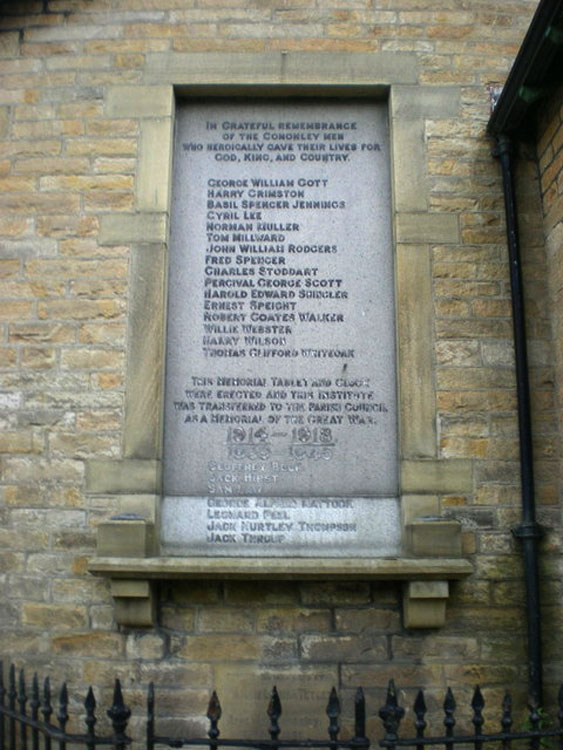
[(550, 160), (68, 161)]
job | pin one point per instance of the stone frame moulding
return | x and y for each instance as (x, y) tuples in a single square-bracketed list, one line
[(128, 550)]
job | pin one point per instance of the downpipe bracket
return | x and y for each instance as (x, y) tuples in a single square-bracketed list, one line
[(530, 530)]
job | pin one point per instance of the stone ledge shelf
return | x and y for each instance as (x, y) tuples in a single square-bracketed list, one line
[(282, 568), (425, 591)]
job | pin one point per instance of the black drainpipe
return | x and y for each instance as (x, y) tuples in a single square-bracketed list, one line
[(529, 531)]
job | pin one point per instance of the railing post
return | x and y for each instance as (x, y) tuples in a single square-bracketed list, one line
[(506, 721), (2, 705), (22, 700), (34, 705), (150, 717), (560, 715), (12, 694)]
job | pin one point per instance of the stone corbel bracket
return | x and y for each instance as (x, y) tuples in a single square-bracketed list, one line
[(126, 555), (130, 536), (424, 602)]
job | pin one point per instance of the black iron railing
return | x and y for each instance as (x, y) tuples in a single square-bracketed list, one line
[(534, 730), (274, 711), (24, 726), (30, 721)]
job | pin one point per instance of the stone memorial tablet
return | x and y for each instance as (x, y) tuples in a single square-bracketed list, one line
[(280, 413)]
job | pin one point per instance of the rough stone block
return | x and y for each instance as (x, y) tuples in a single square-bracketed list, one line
[(428, 589), (127, 476), (427, 227), (126, 538), (454, 475), (130, 589), (155, 163), (145, 506), (281, 67), (140, 101), (408, 165), (434, 537), (432, 102), (119, 229), (144, 367), (9, 42), (414, 285), (415, 506)]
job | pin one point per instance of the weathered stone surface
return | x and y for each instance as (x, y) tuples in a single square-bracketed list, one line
[(303, 690), (60, 116)]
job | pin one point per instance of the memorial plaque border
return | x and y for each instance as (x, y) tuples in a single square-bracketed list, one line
[(134, 481), (265, 427)]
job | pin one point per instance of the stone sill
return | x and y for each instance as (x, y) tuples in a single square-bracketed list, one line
[(425, 588), (282, 568)]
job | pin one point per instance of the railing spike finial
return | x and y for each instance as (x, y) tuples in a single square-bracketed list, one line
[(359, 715), (449, 718), (21, 687), (449, 702), (214, 712), (419, 708), (46, 707), (333, 712), (90, 700), (35, 702), (90, 706), (333, 705), (477, 704), (534, 717), (391, 714), (274, 711), (118, 714), (12, 692), (506, 720), (62, 712)]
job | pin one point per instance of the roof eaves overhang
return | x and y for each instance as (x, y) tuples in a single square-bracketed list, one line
[(536, 72)]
